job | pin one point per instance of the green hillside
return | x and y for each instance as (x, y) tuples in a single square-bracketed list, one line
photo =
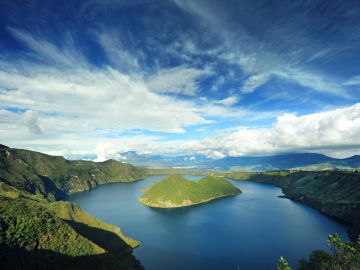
[(335, 193), (55, 177), (176, 191), (38, 234)]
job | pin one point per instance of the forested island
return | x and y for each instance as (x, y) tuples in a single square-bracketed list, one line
[(176, 191)]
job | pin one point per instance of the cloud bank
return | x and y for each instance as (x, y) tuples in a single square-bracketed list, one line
[(333, 132)]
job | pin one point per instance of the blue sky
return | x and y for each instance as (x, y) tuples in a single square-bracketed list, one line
[(219, 78)]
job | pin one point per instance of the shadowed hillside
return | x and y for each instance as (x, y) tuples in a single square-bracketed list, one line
[(38, 232), (335, 193), (55, 177), (35, 233)]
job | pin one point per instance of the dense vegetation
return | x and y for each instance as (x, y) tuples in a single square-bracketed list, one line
[(38, 231), (335, 193), (176, 191), (38, 234), (55, 177)]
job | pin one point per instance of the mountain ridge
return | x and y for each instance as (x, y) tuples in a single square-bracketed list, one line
[(39, 231), (56, 177), (245, 163)]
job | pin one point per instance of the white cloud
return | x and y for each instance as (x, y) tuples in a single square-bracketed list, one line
[(229, 101), (105, 151), (27, 119), (334, 133), (117, 55), (330, 132), (179, 80), (259, 60), (31, 120), (74, 108), (44, 50), (253, 82), (354, 81), (99, 98), (312, 80)]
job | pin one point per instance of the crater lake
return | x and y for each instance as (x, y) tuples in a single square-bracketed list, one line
[(248, 231)]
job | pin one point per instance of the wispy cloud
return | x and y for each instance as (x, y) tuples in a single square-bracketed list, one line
[(117, 55), (354, 81), (93, 75), (65, 54), (229, 101), (261, 58), (254, 82), (81, 100), (179, 80)]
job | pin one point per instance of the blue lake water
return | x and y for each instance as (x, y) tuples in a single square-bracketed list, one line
[(249, 231)]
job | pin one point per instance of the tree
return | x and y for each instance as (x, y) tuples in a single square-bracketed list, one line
[(283, 264), (342, 256)]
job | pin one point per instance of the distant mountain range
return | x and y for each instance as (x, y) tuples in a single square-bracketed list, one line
[(304, 161)]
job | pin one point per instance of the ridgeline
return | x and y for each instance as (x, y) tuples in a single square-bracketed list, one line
[(39, 232), (55, 177), (335, 193)]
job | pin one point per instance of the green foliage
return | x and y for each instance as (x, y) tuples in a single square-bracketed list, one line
[(342, 256), (176, 191), (336, 193), (31, 226), (36, 233), (283, 264), (55, 177)]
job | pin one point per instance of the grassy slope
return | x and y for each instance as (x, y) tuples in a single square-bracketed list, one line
[(335, 193), (176, 191), (38, 232), (55, 177), (35, 233)]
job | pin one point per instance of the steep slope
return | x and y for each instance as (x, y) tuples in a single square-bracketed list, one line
[(56, 177), (335, 193), (176, 191), (38, 234)]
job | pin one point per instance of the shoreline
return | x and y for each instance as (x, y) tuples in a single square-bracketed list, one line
[(188, 205)]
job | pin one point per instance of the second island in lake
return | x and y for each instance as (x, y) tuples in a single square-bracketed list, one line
[(176, 191)]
